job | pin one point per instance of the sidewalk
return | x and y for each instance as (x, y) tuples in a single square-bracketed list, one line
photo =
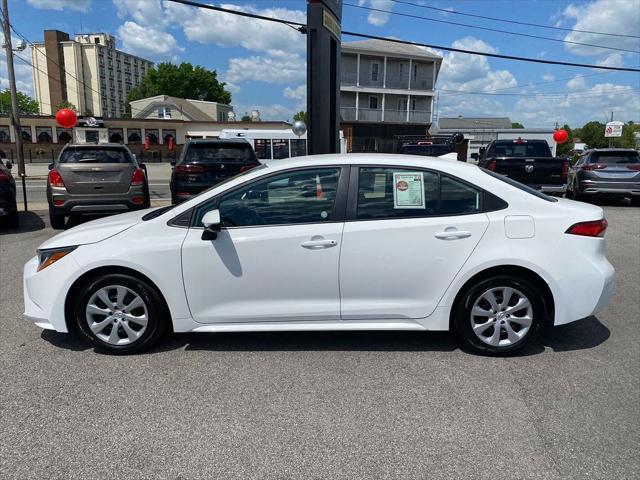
[(158, 172)]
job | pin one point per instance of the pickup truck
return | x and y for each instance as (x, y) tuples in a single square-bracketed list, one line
[(527, 161)]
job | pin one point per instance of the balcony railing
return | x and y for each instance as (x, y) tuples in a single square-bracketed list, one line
[(349, 78), (419, 116), (370, 115), (348, 114)]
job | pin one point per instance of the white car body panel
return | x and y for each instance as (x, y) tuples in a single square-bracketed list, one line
[(574, 267)]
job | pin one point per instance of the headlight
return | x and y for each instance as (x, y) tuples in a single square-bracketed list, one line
[(49, 256)]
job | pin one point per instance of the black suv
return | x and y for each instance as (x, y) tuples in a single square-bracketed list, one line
[(205, 163)]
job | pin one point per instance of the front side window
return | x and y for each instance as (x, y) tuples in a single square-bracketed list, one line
[(386, 193), (303, 196)]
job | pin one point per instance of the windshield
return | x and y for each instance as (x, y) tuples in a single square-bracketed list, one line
[(612, 158), (95, 155), (212, 153), (519, 148), (520, 186)]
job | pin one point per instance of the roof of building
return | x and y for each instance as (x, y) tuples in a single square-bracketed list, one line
[(184, 105), (391, 48), (458, 123)]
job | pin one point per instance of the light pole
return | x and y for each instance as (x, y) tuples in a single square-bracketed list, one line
[(15, 113)]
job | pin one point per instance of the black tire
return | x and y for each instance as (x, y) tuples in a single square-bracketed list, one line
[(462, 320), (635, 201), (156, 314), (12, 220), (56, 220)]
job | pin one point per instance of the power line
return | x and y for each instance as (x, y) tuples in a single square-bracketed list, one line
[(466, 14), (405, 42), (587, 94), (506, 32)]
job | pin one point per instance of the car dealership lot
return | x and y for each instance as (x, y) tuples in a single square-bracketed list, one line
[(323, 405)]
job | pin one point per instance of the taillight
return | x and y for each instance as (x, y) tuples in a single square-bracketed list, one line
[(565, 169), (4, 177), (55, 179), (491, 165), (594, 166), (189, 169), (138, 177), (594, 228), (635, 166)]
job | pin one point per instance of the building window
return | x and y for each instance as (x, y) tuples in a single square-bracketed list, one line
[(26, 134), (96, 40), (373, 102), (152, 135), (134, 135), (64, 135), (402, 69), (402, 104), (375, 69), (413, 104), (44, 135), (166, 134), (116, 135), (164, 112), (415, 71), (5, 137), (262, 148)]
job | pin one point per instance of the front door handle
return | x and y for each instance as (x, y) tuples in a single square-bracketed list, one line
[(318, 244), (452, 235)]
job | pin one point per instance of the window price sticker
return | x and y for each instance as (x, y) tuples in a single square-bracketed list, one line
[(408, 190)]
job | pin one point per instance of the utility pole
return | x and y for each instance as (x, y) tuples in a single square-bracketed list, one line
[(15, 113)]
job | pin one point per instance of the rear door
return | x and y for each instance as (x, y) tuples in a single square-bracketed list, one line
[(96, 170), (404, 241)]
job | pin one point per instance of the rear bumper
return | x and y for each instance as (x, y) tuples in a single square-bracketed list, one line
[(104, 203), (609, 188), (7, 203), (553, 188)]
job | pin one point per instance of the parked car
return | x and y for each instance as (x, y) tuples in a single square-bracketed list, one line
[(331, 242), (8, 205), (606, 172), (528, 161), (205, 163), (90, 179)]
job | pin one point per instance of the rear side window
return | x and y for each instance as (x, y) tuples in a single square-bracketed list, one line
[(519, 148), (385, 192), (95, 155), (613, 158), (215, 153)]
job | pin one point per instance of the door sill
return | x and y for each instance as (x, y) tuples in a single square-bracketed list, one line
[(311, 326)]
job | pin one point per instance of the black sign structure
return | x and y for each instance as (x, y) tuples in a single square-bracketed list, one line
[(323, 75)]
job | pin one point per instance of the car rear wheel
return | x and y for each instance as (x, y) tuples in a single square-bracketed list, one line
[(120, 314), (500, 315), (11, 220), (56, 220)]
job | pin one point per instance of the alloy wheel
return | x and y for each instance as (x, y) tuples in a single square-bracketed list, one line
[(501, 316), (117, 315)]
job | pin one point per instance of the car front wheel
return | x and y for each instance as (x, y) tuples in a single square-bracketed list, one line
[(500, 315), (120, 314)]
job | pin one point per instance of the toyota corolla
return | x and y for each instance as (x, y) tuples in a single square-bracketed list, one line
[(332, 242)]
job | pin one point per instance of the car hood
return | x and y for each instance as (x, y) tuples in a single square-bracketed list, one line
[(96, 230)]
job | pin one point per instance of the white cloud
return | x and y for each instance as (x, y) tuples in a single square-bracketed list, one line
[(146, 40), (378, 18), (613, 59), (297, 93), (23, 71), (274, 111), (548, 78), (226, 30), (577, 84), (144, 12), (60, 4), (269, 69), (620, 17)]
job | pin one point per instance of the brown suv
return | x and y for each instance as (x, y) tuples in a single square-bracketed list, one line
[(90, 179)]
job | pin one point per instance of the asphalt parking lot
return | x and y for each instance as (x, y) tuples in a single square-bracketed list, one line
[(324, 405)]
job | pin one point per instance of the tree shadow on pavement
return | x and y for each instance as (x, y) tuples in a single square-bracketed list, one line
[(582, 335), (28, 222)]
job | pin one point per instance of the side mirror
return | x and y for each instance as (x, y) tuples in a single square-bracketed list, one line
[(172, 163), (482, 150), (135, 159), (51, 166), (9, 165), (211, 223), (475, 156)]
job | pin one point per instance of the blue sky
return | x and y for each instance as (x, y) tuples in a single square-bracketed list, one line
[(264, 63)]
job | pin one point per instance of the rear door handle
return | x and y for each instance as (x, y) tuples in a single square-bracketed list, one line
[(318, 244), (453, 235)]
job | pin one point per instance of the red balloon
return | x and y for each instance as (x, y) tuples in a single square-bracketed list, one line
[(560, 136), (66, 118), (171, 143)]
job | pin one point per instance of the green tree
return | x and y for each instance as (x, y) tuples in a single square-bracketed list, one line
[(245, 118), (304, 116), (628, 139), (26, 104), (65, 104), (592, 134), (182, 81), (516, 125)]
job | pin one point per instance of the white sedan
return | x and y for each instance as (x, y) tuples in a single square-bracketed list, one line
[(331, 242)]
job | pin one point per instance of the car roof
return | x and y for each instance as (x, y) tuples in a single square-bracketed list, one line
[(95, 145), (240, 141), (613, 150)]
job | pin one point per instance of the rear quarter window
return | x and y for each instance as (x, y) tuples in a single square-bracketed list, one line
[(520, 186), (612, 158)]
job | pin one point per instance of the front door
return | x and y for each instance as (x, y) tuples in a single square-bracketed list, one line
[(410, 233), (276, 257)]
